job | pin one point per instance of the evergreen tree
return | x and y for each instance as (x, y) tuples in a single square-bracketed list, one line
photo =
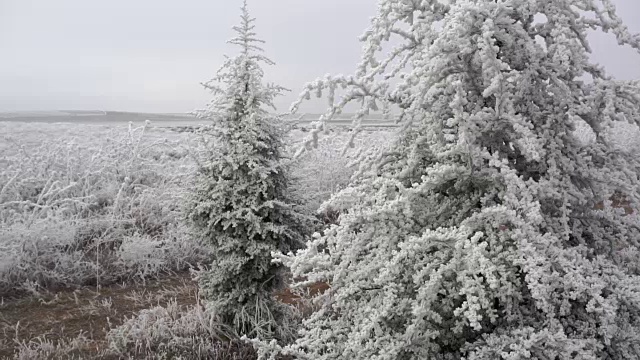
[(477, 236), (240, 203)]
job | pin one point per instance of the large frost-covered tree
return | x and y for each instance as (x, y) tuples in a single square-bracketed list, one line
[(240, 204), (477, 235)]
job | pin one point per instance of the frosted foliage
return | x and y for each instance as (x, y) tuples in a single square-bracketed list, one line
[(326, 169), (240, 204), (627, 137), (624, 136), (478, 235)]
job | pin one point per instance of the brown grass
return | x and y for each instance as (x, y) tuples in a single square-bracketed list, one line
[(67, 315), (64, 316), (618, 201), (300, 299)]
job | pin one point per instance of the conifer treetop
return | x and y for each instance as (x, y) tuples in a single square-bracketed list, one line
[(239, 81), (247, 38)]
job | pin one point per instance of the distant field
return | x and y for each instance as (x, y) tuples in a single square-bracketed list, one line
[(101, 118), (159, 120), (625, 136)]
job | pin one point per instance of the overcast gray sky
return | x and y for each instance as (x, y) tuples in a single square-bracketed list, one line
[(150, 55)]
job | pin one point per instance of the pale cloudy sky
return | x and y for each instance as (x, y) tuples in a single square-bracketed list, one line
[(150, 55)]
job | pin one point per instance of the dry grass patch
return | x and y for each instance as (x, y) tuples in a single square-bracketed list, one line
[(76, 322)]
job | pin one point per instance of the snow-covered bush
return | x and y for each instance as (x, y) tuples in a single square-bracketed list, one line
[(171, 331), (240, 203), (144, 256), (38, 256), (77, 204), (476, 236), (324, 170), (43, 348)]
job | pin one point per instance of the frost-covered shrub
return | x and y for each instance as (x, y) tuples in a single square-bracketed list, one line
[(174, 332), (324, 170), (476, 236), (144, 256), (41, 256), (241, 204), (141, 255), (50, 254), (75, 200), (43, 348)]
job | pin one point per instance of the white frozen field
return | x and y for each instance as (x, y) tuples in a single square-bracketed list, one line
[(85, 174)]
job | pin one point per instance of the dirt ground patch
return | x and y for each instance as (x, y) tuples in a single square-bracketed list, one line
[(67, 315)]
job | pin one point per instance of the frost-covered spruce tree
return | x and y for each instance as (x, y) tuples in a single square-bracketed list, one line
[(240, 204), (476, 236)]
